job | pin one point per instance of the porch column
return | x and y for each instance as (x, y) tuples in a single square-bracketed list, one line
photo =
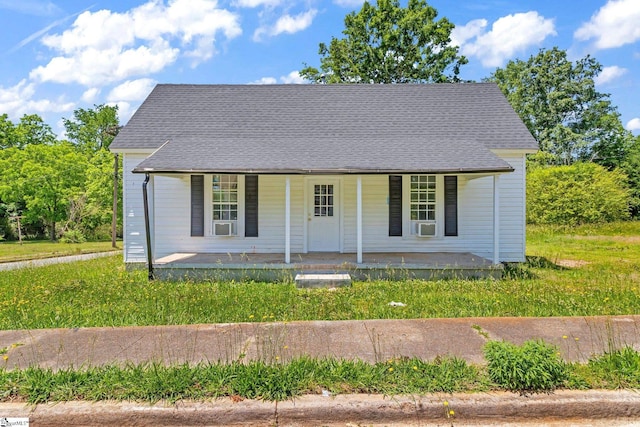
[(496, 219), (287, 221), (359, 219)]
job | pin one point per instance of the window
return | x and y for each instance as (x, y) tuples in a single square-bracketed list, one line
[(225, 204), (423, 198), (323, 200)]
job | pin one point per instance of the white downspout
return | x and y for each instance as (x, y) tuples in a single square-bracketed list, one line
[(496, 219), (287, 222), (359, 219)]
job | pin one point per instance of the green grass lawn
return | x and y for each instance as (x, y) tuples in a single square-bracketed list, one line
[(28, 250), (579, 272)]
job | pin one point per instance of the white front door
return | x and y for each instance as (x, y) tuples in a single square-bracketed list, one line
[(323, 215)]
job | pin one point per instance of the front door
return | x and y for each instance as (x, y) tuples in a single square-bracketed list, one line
[(323, 216)]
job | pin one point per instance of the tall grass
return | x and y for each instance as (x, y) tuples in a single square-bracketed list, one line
[(253, 380), (602, 279), (510, 368)]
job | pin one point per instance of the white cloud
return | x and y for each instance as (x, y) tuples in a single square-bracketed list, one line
[(131, 90), (18, 100), (508, 35), (104, 47), (614, 25), (349, 3), (293, 77), (609, 73), (633, 124), (461, 34), (256, 3), (265, 81), (90, 94), (287, 24), (125, 110)]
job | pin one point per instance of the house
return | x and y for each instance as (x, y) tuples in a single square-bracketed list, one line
[(277, 174)]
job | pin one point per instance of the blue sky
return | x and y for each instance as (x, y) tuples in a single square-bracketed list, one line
[(59, 55)]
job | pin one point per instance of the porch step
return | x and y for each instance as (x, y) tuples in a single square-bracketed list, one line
[(322, 280)]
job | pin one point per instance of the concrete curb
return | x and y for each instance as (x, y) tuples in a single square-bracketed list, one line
[(561, 408)]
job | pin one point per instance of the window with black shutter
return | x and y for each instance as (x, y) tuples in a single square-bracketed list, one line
[(251, 206), (395, 205), (450, 205), (197, 205)]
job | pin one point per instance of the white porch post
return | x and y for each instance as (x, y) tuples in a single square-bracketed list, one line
[(496, 219), (359, 219), (287, 221)]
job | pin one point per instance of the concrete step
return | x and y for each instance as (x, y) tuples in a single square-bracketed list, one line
[(317, 280)]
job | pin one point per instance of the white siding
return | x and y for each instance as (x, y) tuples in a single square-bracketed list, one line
[(172, 218), (512, 210), (134, 239), (170, 205), (475, 220)]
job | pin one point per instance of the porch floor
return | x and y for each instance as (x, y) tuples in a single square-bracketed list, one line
[(385, 265)]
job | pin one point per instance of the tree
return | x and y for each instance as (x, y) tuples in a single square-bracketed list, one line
[(98, 196), (7, 132), (30, 130), (387, 43), (93, 129), (560, 106), (33, 130), (631, 166), (45, 179)]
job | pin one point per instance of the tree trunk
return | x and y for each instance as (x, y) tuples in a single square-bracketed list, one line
[(53, 231)]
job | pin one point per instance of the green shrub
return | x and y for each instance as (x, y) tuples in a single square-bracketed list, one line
[(618, 369), (576, 194), (72, 236), (535, 366)]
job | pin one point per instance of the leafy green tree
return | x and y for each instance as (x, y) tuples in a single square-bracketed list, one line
[(98, 206), (387, 43), (576, 194), (630, 164), (31, 129), (45, 178), (94, 128), (558, 102), (7, 132)]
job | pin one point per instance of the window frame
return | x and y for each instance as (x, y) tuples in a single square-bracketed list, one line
[(409, 228), (238, 223)]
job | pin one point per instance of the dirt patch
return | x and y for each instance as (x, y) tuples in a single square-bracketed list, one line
[(572, 263)]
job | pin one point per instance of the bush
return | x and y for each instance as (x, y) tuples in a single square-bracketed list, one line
[(72, 236), (576, 194), (535, 366), (618, 369)]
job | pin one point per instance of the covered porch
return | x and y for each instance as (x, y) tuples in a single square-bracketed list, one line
[(270, 267)]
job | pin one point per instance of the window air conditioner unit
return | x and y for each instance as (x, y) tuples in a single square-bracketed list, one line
[(426, 229), (222, 229)]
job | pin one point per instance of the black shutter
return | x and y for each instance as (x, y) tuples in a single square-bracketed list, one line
[(450, 205), (395, 205), (197, 205), (251, 206)]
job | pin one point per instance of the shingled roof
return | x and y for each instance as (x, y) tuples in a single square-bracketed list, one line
[(429, 128)]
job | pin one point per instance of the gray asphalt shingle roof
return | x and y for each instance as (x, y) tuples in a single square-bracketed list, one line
[(325, 128)]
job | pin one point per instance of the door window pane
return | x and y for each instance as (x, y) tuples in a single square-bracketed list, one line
[(323, 199)]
